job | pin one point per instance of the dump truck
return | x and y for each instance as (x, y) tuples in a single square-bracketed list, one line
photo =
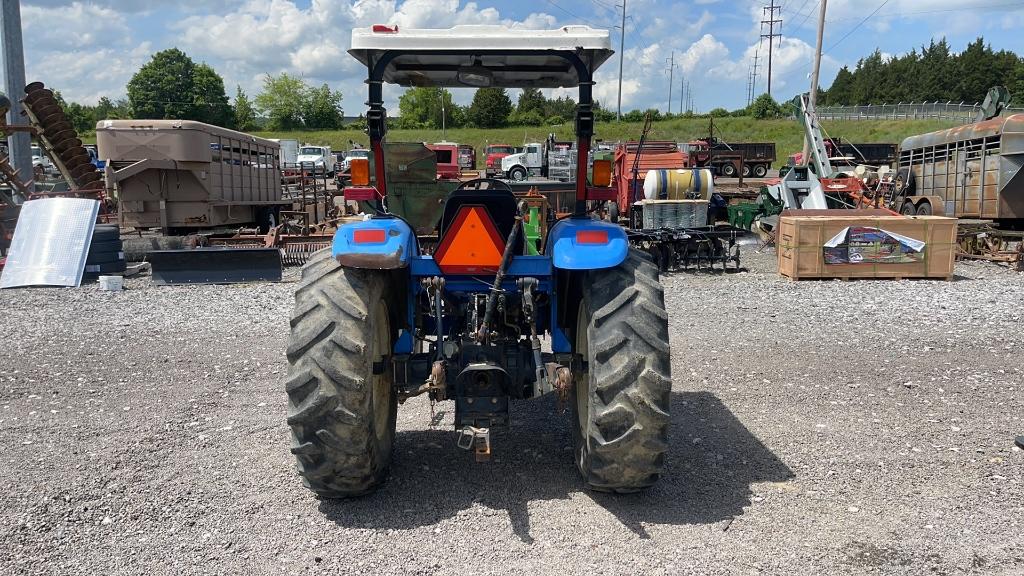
[(456, 314), (847, 154), (730, 159)]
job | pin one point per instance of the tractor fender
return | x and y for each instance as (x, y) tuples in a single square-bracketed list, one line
[(377, 243), (571, 251)]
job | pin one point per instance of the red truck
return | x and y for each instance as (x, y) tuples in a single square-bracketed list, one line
[(493, 154)]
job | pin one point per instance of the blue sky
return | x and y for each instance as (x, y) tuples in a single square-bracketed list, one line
[(89, 49)]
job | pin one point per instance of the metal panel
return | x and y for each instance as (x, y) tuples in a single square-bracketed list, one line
[(51, 242)]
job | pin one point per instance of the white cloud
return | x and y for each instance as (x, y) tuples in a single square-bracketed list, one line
[(81, 50)]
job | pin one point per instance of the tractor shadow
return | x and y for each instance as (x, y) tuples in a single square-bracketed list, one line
[(712, 463)]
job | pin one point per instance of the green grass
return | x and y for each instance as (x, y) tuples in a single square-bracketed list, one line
[(786, 134)]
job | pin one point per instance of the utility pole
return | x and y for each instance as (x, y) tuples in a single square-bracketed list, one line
[(682, 83), (750, 84), (813, 96), (20, 143), (671, 70), (622, 50), (753, 81), (771, 20)]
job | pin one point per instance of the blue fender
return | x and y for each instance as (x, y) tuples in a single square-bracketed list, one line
[(571, 251), (360, 245)]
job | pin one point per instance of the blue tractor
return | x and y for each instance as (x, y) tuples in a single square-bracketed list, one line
[(459, 314)]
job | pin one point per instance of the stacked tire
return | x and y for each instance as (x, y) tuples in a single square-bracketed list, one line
[(106, 253)]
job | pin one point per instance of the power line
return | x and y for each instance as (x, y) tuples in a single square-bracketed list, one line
[(807, 16), (577, 16), (845, 36), (859, 24)]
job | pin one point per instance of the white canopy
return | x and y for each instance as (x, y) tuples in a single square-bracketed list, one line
[(482, 55)]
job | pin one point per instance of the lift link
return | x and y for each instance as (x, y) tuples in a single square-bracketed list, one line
[(527, 285), (436, 384)]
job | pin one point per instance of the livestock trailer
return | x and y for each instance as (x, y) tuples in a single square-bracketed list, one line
[(973, 171), (181, 175)]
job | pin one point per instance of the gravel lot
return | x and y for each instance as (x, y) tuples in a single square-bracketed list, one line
[(819, 428)]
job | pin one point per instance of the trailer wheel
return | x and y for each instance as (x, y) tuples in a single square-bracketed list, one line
[(728, 170), (924, 208), (622, 400), (760, 171), (341, 401), (612, 208), (746, 170), (908, 209), (518, 173)]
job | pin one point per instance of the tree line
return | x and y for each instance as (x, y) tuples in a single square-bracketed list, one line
[(173, 86), (933, 73)]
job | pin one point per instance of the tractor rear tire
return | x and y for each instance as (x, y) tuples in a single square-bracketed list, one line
[(622, 401), (341, 399)]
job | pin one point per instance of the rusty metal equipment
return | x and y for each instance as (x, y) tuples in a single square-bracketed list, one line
[(982, 240), (295, 237), (60, 142)]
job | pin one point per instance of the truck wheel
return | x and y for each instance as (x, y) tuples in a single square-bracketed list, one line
[(908, 209), (746, 170), (924, 208), (622, 401), (760, 171), (341, 401), (728, 170), (518, 173)]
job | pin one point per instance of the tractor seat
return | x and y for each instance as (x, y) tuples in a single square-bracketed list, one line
[(501, 206)]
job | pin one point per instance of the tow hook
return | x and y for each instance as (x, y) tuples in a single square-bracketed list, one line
[(476, 439)]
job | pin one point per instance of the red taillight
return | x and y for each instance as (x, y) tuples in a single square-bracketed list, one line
[(382, 29), (369, 236), (591, 236)]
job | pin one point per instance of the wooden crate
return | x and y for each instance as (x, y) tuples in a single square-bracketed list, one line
[(801, 239)]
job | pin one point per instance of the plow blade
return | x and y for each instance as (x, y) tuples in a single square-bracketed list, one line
[(215, 265)]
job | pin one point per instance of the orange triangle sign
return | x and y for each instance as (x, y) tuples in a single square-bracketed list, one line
[(471, 245)]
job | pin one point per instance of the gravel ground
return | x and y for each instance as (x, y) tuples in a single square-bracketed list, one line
[(819, 428)]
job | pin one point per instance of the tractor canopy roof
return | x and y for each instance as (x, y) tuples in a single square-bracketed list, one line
[(481, 55)]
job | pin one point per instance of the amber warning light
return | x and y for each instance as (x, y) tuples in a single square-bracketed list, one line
[(471, 245), (359, 171)]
